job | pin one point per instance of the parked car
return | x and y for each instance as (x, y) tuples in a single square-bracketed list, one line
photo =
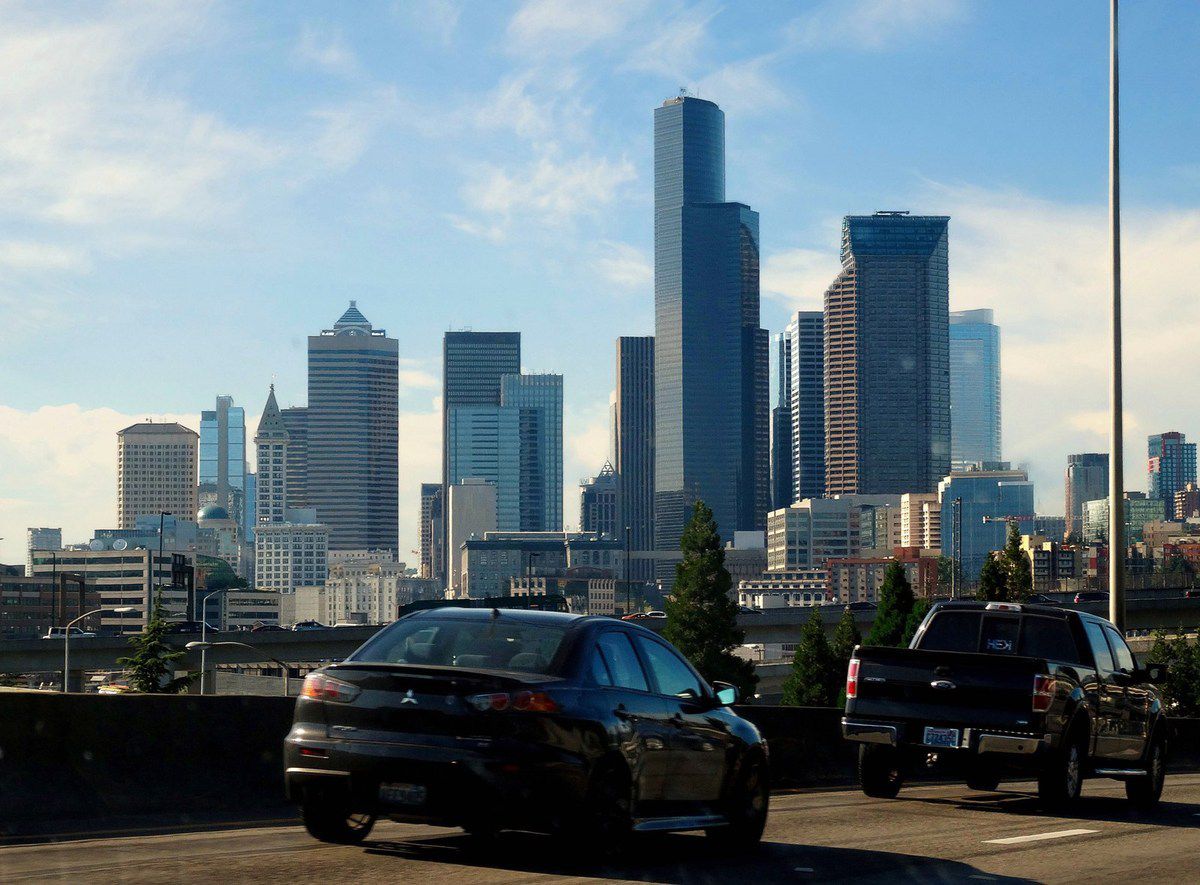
[(493, 719), (1191, 594), (634, 616), (1091, 596), (991, 688), (656, 614), (267, 628), (1041, 599), (61, 632), (308, 625), (861, 606), (175, 628)]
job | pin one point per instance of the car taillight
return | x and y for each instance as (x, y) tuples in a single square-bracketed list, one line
[(1043, 693), (525, 701), (320, 687), (852, 679)]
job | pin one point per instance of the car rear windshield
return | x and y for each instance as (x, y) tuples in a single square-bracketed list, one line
[(492, 644), (1029, 635)]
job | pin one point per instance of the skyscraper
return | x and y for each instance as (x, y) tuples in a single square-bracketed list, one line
[(223, 459), (807, 334), (1171, 465), (634, 446), (887, 357), (536, 402), (431, 513), (994, 494), (353, 433), (271, 442), (295, 419), (600, 504), (782, 455), (974, 388), (40, 539), (156, 472), (1086, 480), (712, 423)]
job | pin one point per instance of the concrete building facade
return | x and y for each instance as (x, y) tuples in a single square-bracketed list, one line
[(156, 471)]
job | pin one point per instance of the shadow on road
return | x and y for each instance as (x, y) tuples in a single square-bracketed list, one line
[(1093, 808), (686, 859)]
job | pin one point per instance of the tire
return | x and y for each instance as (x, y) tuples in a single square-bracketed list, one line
[(482, 833), (1144, 792), (604, 828), (1061, 780), (747, 810), (983, 781), (880, 772), (332, 821)]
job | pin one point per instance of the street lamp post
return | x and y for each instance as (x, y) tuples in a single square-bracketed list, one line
[(204, 633), (625, 570), (203, 647), (67, 638), (1116, 471)]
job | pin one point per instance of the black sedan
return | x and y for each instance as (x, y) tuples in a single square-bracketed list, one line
[(492, 719)]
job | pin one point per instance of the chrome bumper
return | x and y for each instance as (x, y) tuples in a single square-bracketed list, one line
[(869, 733), (1008, 743)]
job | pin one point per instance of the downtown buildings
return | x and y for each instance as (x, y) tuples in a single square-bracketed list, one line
[(633, 446), (223, 471), (711, 383), (1086, 480), (1171, 465), (806, 392), (156, 472), (974, 388)]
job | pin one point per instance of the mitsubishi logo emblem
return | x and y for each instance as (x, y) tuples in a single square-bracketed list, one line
[(408, 698)]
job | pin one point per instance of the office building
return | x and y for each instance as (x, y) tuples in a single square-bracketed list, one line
[(295, 421), (633, 446), (600, 504), (711, 379), (429, 515), (811, 532), (974, 388), (806, 331), (288, 555), (879, 528), (223, 459), (535, 403), (1186, 503), (782, 455), (30, 605), (887, 363), (491, 561), (156, 471), (40, 539), (272, 446), (1086, 480), (921, 520), (1139, 510), (989, 498), (1171, 465), (472, 512), (366, 592), (353, 433)]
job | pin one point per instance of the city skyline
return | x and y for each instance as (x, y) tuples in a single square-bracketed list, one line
[(1004, 224)]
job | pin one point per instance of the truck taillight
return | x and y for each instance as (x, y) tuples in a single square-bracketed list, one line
[(1043, 692), (852, 679)]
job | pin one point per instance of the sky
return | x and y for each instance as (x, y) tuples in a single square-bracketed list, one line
[(188, 190)]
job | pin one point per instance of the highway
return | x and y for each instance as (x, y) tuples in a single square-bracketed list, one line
[(931, 834)]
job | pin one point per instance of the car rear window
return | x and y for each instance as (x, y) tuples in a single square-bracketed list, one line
[(953, 631), (492, 644), (1029, 635)]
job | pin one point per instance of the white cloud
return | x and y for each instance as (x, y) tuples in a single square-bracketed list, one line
[(625, 266), (677, 42), (586, 448), (535, 104), (799, 277), (32, 255), (566, 27), (744, 86), (418, 378), (434, 18), (420, 461), (871, 24), (327, 49)]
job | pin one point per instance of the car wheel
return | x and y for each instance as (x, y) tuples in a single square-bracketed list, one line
[(747, 810), (334, 822), (880, 773), (482, 832), (1061, 781), (605, 826), (1145, 792)]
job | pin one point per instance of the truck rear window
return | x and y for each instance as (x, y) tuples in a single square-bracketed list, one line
[(1031, 636)]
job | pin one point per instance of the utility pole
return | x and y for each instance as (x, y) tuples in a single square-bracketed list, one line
[(626, 569), (1116, 477), (956, 550)]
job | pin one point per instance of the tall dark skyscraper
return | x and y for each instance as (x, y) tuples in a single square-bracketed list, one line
[(429, 528), (712, 388), (353, 434), (1087, 480), (887, 357), (634, 446), (782, 455), (295, 419), (1171, 464), (806, 332)]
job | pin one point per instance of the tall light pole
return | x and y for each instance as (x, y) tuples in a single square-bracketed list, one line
[(1116, 471), (205, 646), (204, 633), (67, 637)]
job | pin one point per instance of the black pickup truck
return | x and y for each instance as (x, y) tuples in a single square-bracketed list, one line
[(988, 689)]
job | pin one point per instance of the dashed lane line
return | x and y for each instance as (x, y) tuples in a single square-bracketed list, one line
[(1038, 837)]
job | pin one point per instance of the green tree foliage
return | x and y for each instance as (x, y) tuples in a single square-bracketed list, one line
[(150, 666), (845, 638), (1181, 690), (811, 682), (919, 610), (945, 578), (1008, 575), (701, 615), (992, 585), (220, 575), (895, 604)]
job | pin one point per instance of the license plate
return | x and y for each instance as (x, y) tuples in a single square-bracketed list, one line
[(941, 737), (402, 794)]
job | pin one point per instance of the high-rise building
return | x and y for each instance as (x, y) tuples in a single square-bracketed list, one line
[(974, 388), (288, 555), (920, 520), (156, 472), (1171, 465), (782, 455), (811, 532), (472, 512), (807, 334), (40, 539), (272, 447), (353, 433), (1086, 480), (887, 357), (600, 504), (1186, 503), (223, 459), (295, 420), (536, 405), (431, 513), (1139, 510), (711, 379), (988, 497), (634, 445)]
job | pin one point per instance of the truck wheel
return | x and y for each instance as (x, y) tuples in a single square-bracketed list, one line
[(1145, 792), (333, 822), (1061, 780), (880, 773), (983, 779)]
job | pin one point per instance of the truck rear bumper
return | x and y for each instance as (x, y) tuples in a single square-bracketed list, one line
[(974, 741), (869, 732)]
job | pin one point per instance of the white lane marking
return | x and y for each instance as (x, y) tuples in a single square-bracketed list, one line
[(1038, 837)]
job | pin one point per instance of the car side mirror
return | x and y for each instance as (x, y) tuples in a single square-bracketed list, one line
[(727, 694), (1154, 672)]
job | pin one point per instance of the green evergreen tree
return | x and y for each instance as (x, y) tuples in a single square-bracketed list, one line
[(845, 638), (701, 615), (945, 578), (895, 603), (150, 664), (811, 680), (993, 584), (1017, 567), (919, 610)]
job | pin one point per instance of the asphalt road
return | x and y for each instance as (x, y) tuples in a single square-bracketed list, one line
[(930, 834)]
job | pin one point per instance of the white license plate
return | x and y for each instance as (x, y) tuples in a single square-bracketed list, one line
[(941, 737), (402, 794)]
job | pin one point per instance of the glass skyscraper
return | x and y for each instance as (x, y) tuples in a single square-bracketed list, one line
[(1086, 480), (887, 357), (991, 493), (634, 446), (974, 388), (781, 424), (711, 381), (807, 334), (1171, 464), (223, 459)]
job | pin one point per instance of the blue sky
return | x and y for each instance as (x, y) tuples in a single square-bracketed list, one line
[(188, 190)]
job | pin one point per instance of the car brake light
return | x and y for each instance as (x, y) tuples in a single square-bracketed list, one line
[(320, 687), (525, 701), (1043, 692), (1003, 607), (852, 679)]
